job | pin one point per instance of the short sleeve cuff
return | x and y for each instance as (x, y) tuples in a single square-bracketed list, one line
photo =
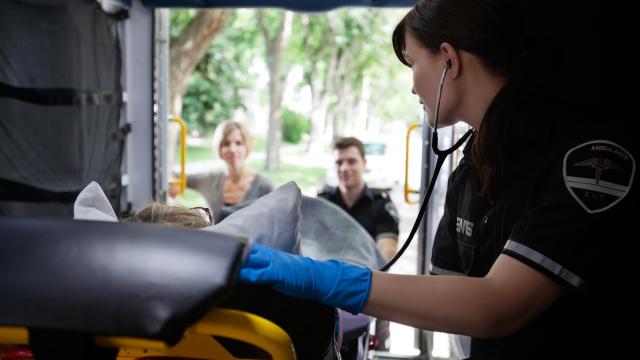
[(435, 270), (387, 235), (543, 263)]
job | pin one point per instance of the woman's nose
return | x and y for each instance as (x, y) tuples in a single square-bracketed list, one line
[(413, 91)]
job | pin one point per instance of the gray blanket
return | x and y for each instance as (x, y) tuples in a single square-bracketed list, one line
[(328, 232), (283, 219), (313, 227)]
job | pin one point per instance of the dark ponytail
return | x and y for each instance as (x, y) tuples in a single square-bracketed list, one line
[(490, 157)]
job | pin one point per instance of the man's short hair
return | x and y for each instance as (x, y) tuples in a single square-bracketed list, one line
[(347, 142)]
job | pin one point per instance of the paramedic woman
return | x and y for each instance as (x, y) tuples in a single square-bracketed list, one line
[(524, 253)]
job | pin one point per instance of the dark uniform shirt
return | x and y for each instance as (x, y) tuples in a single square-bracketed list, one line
[(567, 199), (373, 210)]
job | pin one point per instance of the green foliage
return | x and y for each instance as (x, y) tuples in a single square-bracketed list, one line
[(272, 20), (356, 41), (206, 104), (179, 20), (308, 177), (197, 152), (191, 198), (259, 143), (215, 88), (294, 125)]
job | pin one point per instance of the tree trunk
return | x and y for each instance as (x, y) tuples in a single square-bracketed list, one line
[(339, 112), (187, 51), (322, 88), (320, 98), (277, 81), (361, 106), (185, 54), (338, 82)]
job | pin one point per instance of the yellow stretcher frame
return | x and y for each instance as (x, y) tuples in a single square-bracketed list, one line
[(198, 341)]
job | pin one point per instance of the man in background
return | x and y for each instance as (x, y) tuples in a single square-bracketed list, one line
[(371, 208)]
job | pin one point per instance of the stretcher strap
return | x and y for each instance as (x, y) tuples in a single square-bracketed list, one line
[(60, 96), (15, 191)]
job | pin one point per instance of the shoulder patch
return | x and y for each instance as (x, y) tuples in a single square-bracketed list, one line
[(391, 209), (598, 174)]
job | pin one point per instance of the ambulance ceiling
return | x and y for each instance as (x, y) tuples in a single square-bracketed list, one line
[(297, 5)]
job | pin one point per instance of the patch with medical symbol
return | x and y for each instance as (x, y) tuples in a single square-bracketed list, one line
[(598, 174)]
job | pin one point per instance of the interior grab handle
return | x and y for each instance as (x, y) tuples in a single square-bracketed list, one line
[(408, 190), (182, 180)]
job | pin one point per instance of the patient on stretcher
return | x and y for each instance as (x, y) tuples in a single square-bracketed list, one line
[(282, 219), (171, 215)]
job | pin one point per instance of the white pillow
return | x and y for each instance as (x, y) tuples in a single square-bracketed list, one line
[(92, 204)]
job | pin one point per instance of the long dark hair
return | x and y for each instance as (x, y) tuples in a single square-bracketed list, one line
[(494, 31)]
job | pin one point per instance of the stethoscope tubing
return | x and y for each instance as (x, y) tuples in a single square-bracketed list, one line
[(442, 156)]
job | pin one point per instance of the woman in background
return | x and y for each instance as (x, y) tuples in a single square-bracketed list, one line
[(235, 185)]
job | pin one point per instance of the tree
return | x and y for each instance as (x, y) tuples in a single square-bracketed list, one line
[(275, 31), (317, 52), (187, 50), (338, 51), (219, 85)]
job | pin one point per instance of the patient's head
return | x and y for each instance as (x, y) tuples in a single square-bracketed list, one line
[(175, 216)]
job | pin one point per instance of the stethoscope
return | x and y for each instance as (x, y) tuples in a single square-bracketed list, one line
[(442, 156)]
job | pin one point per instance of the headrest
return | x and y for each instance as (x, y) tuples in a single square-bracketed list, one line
[(104, 278)]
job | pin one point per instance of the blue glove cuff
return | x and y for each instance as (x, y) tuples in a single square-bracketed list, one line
[(331, 282), (351, 285)]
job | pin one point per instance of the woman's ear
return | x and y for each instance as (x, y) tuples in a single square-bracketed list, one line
[(451, 59)]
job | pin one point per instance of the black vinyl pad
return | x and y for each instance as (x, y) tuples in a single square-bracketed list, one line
[(103, 278)]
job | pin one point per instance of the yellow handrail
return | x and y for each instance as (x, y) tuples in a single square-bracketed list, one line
[(182, 180), (407, 190)]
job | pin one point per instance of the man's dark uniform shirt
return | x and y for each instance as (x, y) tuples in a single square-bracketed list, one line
[(373, 210)]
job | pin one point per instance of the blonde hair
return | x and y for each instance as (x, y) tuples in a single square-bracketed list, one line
[(174, 216), (224, 129)]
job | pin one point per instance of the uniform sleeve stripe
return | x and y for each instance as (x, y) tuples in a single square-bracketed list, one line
[(434, 270), (387, 235), (546, 263)]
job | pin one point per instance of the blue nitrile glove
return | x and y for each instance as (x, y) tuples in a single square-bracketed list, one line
[(330, 282)]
